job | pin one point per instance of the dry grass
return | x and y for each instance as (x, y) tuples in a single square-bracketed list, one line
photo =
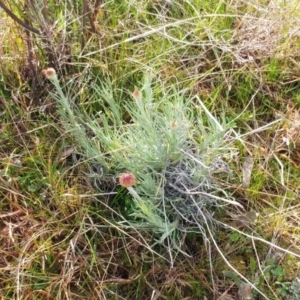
[(268, 32)]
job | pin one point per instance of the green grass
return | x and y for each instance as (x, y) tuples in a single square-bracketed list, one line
[(179, 94)]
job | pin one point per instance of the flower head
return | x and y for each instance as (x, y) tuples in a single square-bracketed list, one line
[(49, 73), (136, 94), (127, 180)]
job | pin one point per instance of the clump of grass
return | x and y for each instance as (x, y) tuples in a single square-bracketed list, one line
[(166, 144)]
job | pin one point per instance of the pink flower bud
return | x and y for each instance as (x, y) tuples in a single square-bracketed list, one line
[(136, 94), (173, 125), (49, 73), (127, 180)]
